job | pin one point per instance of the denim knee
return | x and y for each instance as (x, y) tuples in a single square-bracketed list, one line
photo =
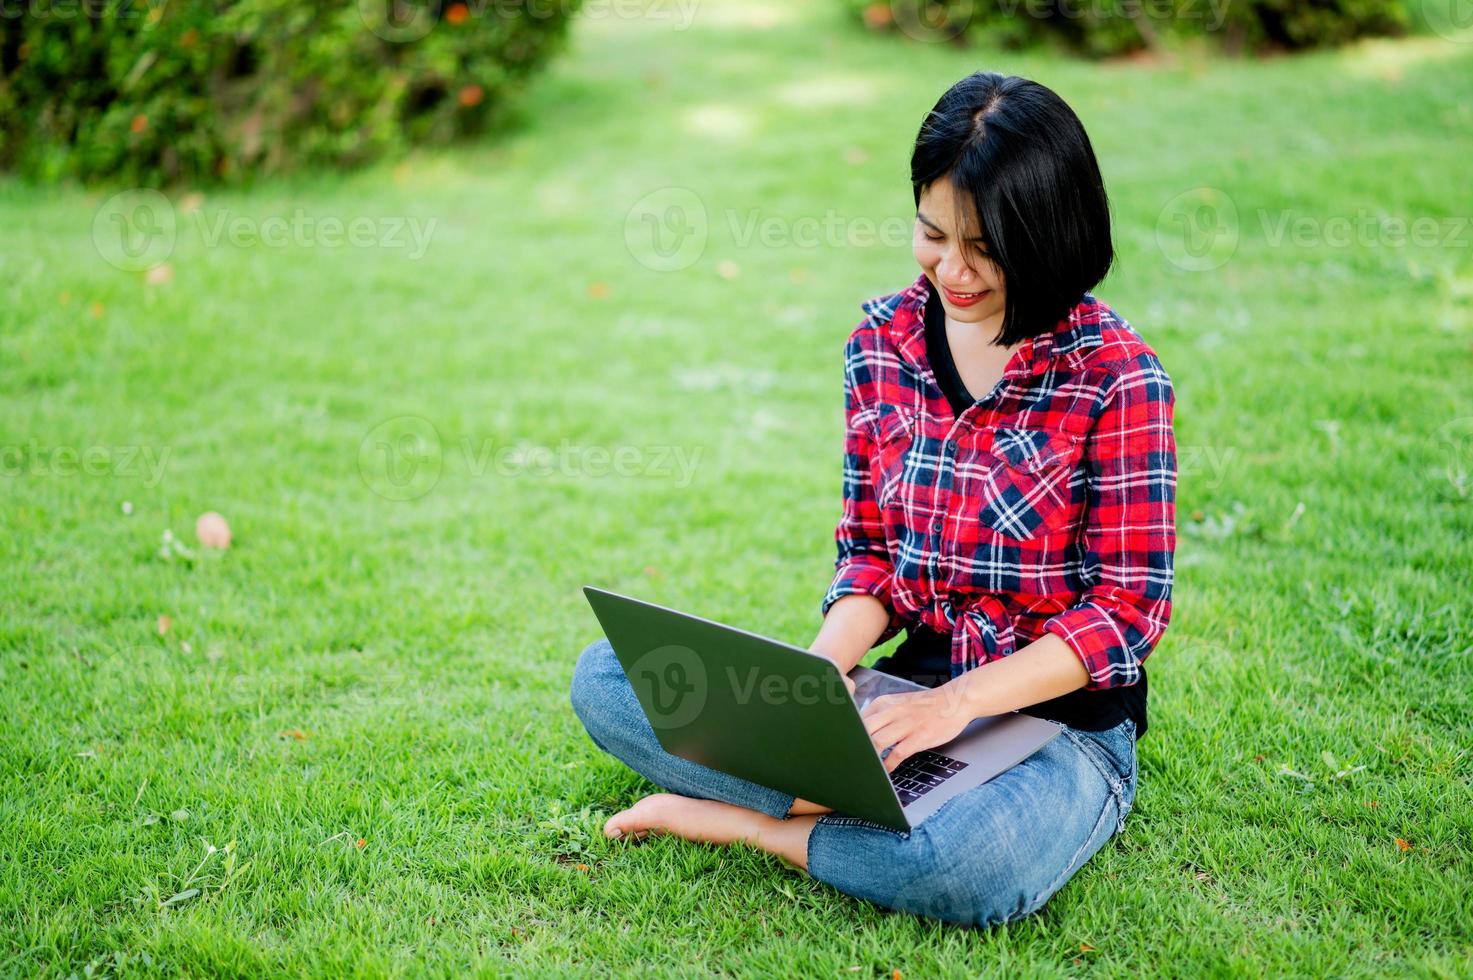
[(903, 871), (597, 668)]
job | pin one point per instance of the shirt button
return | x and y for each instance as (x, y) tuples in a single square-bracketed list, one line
[(936, 526)]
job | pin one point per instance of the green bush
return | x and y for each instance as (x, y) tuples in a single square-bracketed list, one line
[(1103, 28), (151, 91)]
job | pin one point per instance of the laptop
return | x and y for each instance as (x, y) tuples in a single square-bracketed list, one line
[(781, 716)]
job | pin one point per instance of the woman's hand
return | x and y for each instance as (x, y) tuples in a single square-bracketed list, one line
[(914, 721)]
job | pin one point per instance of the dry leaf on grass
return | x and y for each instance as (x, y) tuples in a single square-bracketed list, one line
[(212, 530)]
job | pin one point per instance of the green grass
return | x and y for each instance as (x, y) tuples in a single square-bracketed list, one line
[(424, 647)]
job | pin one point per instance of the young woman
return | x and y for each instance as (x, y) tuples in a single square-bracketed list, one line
[(1008, 500)]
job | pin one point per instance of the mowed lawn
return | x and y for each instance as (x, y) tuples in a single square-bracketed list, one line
[(368, 694)]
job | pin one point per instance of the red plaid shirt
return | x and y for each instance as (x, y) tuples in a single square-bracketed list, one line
[(1047, 507)]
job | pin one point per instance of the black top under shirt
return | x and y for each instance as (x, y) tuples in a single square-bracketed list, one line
[(925, 655)]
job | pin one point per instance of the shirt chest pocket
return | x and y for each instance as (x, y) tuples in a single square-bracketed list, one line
[(1028, 482), (893, 432)]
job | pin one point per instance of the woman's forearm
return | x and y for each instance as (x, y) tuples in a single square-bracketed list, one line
[(1044, 669), (852, 626)]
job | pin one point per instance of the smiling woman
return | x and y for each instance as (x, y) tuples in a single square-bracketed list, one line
[(1009, 479)]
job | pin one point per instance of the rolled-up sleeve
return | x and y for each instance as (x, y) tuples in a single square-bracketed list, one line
[(863, 565), (1130, 529)]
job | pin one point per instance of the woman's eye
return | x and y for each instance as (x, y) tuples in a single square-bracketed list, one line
[(934, 238)]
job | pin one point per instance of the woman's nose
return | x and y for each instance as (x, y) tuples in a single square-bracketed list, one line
[(953, 271)]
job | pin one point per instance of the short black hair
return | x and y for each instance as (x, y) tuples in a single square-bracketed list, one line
[(1017, 150)]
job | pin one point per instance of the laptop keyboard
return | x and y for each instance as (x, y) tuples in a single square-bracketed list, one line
[(921, 773)]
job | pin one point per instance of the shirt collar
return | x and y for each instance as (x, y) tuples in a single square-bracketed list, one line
[(902, 314)]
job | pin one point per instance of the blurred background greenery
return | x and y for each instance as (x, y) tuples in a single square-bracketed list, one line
[(150, 91)]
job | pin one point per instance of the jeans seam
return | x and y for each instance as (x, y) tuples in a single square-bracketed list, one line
[(1057, 883), (846, 820), (1107, 773)]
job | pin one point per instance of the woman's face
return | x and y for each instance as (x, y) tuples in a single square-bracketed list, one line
[(955, 259)]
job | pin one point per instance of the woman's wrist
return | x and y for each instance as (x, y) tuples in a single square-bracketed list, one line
[(972, 696), (851, 627), (843, 662), (1040, 671)]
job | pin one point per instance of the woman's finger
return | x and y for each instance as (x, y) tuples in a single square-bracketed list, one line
[(902, 750), (877, 706), (886, 735), (874, 718)]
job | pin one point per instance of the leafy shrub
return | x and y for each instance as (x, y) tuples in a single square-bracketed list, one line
[(150, 91), (1102, 28)]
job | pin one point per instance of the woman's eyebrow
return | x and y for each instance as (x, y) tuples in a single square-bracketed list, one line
[(975, 239)]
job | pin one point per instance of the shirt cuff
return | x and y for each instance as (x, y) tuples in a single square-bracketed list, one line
[(864, 576), (1096, 638)]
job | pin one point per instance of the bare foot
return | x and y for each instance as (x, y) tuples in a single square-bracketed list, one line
[(714, 823), (700, 820)]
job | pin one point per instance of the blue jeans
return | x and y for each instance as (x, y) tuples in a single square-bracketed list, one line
[(992, 854)]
